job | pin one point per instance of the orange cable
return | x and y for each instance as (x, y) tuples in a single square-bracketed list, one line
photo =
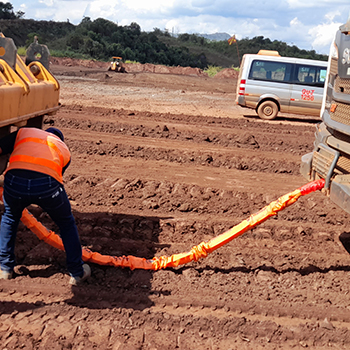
[(197, 252)]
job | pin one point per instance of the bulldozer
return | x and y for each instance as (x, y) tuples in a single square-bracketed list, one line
[(117, 65)]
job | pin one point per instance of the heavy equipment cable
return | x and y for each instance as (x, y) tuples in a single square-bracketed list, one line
[(199, 251)]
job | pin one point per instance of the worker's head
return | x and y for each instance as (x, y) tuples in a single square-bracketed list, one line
[(56, 132)]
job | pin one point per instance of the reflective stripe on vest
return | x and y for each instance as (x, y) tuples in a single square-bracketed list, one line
[(44, 142), (40, 161)]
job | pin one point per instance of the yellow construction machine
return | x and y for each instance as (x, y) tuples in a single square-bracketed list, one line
[(117, 65), (27, 92)]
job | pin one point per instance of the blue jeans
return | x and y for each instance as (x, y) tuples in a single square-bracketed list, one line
[(49, 194)]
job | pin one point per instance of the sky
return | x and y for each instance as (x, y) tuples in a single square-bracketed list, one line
[(308, 24)]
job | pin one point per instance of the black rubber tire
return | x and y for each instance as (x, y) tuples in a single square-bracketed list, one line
[(268, 110)]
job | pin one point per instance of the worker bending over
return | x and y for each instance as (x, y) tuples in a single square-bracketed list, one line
[(37, 162)]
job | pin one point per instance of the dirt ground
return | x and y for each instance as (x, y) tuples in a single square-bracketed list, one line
[(160, 163)]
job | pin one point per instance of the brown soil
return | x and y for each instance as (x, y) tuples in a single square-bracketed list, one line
[(160, 163)]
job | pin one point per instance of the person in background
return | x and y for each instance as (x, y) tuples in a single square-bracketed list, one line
[(34, 173)]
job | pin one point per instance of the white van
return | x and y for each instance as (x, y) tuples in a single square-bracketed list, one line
[(270, 84)]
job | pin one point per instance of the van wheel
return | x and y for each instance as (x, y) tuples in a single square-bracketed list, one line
[(268, 110)]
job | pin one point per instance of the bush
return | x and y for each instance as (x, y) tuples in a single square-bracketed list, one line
[(212, 70), (21, 51)]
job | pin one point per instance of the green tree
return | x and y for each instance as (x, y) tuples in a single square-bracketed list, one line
[(184, 37), (75, 41), (128, 54), (6, 11), (135, 28)]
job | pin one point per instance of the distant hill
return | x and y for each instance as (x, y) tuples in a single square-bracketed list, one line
[(216, 36)]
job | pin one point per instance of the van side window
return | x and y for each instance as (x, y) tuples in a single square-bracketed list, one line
[(270, 71), (310, 75)]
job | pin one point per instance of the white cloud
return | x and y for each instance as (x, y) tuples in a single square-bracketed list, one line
[(140, 5), (294, 22), (302, 4), (330, 16), (22, 7), (316, 3), (103, 8), (59, 13), (322, 35), (46, 2)]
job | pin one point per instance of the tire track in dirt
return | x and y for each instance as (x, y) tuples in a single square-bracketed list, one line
[(288, 264), (226, 149), (217, 131)]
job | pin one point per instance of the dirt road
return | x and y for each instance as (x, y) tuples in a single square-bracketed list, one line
[(161, 163)]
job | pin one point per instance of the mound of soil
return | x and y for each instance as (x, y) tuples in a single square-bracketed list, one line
[(129, 67), (227, 73)]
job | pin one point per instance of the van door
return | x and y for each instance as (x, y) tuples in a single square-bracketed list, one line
[(307, 89)]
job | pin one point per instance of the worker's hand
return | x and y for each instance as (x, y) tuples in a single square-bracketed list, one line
[(3, 162)]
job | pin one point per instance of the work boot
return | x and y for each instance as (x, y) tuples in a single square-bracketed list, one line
[(6, 275), (75, 281)]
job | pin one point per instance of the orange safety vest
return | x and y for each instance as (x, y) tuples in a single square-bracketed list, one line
[(40, 151)]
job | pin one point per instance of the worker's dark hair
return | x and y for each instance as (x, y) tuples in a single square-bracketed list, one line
[(56, 132)]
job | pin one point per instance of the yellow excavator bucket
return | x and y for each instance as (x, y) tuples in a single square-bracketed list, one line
[(27, 93)]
